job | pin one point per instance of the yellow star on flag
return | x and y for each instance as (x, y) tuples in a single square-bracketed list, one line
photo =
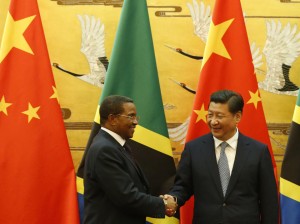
[(255, 98), (201, 114), (4, 105), (13, 35), (214, 42), (31, 112), (54, 95)]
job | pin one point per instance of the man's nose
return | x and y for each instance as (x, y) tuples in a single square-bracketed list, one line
[(214, 120)]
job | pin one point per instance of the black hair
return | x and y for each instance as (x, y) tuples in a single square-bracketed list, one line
[(235, 100), (112, 105)]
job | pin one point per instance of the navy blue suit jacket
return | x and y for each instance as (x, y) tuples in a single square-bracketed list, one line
[(251, 197), (115, 188)]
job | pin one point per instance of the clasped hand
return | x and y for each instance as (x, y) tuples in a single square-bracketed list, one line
[(170, 204)]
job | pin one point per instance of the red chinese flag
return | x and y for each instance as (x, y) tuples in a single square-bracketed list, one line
[(37, 173), (227, 64)]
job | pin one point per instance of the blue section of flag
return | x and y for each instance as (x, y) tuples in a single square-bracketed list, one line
[(289, 210), (81, 206)]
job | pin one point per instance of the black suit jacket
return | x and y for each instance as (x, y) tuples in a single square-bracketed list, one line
[(251, 197), (115, 188)]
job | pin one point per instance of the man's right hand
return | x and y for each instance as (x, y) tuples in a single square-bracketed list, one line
[(170, 205)]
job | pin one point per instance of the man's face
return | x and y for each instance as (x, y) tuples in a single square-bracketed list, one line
[(126, 121), (221, 122)]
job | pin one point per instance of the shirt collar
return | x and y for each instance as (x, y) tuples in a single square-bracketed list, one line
[(232, 142), (117, 137)]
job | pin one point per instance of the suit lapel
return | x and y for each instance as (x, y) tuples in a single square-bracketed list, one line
[(130, 158), (136, 166), (127, 157), (240, 160)]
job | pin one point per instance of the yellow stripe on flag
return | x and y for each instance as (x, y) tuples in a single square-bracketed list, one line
[(79, 185), (153, 140), (290, 189), (296, 117), (97, 115), (169, 220)]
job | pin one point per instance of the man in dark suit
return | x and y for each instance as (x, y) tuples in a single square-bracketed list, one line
[(232, 182), (115, 188)]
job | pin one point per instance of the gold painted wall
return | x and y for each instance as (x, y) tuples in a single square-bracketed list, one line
[(171, 25)]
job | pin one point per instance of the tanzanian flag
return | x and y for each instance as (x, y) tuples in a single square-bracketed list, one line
[(132, 72), (290, 173)]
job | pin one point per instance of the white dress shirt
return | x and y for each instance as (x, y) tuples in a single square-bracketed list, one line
[(115, 136), (230, 150)]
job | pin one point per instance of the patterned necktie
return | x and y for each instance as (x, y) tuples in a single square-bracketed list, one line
[(224, 168), (128, 150)]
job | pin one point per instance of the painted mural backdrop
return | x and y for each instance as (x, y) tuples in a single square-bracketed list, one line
[(80, 36)]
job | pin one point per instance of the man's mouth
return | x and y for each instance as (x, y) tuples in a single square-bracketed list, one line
[(216, 129)]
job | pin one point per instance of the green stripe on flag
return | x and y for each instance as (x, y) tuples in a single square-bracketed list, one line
[(298, 100), (132, 70)]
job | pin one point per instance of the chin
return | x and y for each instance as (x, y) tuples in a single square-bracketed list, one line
[(130, 135), (217, 135)]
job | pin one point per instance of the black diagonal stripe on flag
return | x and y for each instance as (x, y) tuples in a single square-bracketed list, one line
[(290, 166), (152, 162), (290, 175)]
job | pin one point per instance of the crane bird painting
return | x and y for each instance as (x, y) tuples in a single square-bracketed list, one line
[(281, 49), (201, 17), (92, 46)]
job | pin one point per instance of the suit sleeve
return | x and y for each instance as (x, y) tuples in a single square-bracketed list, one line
[(119, 187), (183, 184), (268, 192)]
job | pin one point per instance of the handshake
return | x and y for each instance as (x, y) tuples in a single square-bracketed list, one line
[(170, 204)]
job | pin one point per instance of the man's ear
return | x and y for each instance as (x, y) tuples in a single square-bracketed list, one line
[(112, 119), (238, 117)]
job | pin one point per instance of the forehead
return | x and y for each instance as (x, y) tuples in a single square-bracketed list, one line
[(129, 108), (218, 107)]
